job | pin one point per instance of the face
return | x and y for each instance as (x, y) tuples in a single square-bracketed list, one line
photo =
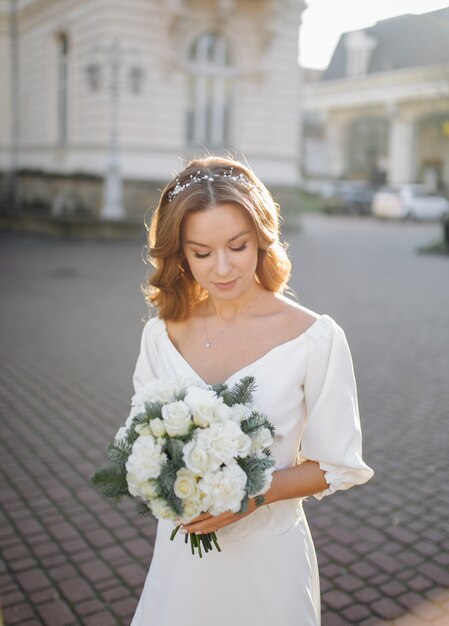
[(220, 245)]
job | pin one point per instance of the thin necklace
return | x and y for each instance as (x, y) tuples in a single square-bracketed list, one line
[(208, 343)]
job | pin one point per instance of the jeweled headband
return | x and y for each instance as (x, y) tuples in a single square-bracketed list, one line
[(199, 177)]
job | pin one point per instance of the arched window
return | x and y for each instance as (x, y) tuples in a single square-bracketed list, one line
[(210, 78)]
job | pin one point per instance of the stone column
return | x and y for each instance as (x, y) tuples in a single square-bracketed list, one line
[(402, 158), (336, 139)]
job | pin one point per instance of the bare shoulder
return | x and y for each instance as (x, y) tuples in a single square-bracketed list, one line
[(297, 318)]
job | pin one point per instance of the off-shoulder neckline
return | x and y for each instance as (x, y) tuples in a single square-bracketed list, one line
[(279, 346)]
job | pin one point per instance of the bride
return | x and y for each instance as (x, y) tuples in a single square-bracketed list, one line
[(220, 274)]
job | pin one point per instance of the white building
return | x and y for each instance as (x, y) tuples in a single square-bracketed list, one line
[(193, 75), (380, 111)]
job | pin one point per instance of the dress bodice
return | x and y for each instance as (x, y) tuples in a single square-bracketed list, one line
[(305, 386)]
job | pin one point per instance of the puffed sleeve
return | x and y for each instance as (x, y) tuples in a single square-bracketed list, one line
[(332, 434), (144, 370)]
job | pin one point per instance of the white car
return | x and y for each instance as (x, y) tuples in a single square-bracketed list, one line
[(409, 201)]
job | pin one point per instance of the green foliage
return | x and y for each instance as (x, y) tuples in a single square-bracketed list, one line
[(142, 509), (166, 482), (254, 422), (254, 468), (173, 448), (244, 504), (118, 451), (219, 388), (153, 410), (241, 392), (111, 481), (180, 395), (131, 435)]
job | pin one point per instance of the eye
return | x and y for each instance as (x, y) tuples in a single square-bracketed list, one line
[(197, 255), (240, 248)]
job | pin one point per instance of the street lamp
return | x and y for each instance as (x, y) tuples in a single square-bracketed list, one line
[(112, 207)]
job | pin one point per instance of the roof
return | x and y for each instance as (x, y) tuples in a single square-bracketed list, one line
[(401, 42)]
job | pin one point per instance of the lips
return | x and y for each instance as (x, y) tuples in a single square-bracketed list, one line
[(227, 285)]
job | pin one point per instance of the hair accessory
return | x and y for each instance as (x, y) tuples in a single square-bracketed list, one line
[(198, 178)]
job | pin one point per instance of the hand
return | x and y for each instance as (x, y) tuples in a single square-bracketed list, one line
[(207, 523)]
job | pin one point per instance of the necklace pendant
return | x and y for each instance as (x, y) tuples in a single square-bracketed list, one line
[(208, 344)]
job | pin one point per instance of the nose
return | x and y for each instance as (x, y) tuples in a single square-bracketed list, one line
[(223, 263)]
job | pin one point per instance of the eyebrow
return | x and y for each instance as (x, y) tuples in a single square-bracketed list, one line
[(204, 245)]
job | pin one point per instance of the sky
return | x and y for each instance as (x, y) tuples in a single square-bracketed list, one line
[(325, 20)]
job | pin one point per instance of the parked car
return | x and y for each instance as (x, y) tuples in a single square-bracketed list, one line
[(409, 201), (349, 197)]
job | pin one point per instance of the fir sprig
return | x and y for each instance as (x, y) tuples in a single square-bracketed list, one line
[(111, 481), (252, 467), (118, 451), (166, 482), (241, 392), (254, 422)]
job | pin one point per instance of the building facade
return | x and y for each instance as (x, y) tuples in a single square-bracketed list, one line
[(144, 83), (380, 111)]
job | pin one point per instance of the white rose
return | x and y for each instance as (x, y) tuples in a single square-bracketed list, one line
[(192, 508), (161, 510), (240, 412), (261, 439), (224, 441), (224, 489), (177, 419), (196, 458), (157, 427), (135, 410), (185, 484), (148, 490), (223, 412), (121, 433), (134, 483), (146, 459), (155, 391), (143, 430), (202, 403)]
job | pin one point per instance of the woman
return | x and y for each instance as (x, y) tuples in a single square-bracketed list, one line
[(220, 272)]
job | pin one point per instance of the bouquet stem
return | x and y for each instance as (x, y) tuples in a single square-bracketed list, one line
[(196, 540)]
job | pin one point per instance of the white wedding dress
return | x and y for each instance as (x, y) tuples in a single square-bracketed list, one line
[(266, 573)]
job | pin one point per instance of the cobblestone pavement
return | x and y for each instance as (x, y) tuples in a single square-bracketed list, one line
[(70, 320)]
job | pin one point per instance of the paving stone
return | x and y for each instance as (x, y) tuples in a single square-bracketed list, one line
[(32, 580), (336, 599), (17, 614), (56, 614), (387, 608), (89, 607), (75, 590), (419, 583), (95, 570), (436, 573), (356, 613), (103, 618)]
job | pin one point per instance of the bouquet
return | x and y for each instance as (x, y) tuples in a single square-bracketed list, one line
[(188, 448)]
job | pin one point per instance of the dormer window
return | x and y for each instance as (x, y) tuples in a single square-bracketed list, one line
[(359, 48)]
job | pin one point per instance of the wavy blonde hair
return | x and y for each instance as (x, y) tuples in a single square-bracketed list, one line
[(171, 287)]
